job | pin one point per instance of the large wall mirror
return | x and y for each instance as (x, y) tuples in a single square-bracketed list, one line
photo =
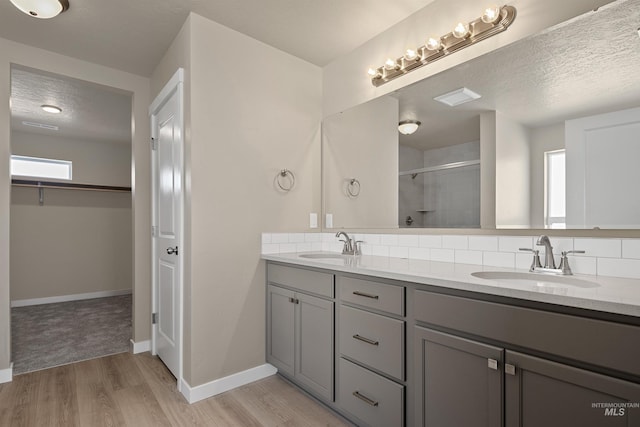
[(553, 141)]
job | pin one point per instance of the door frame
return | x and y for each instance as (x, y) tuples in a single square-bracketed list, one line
[(175, 84)]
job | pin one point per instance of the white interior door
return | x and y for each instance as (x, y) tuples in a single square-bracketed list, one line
[(602, 173), (167, 228)]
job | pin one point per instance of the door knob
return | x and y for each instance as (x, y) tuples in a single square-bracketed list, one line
[(172, 251)]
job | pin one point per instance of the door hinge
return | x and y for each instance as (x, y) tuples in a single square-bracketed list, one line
[(154, 231), (154, 318), (154, 144)]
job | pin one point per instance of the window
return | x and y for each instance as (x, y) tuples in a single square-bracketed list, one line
[(40, 168), (555, 201)]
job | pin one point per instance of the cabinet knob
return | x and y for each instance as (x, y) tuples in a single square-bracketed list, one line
[(493, 364), (509, 369)]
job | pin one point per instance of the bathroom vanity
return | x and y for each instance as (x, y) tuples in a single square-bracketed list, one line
[(397, 342)]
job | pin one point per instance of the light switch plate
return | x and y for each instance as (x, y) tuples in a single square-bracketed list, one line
[(313, 220), (328, 222)]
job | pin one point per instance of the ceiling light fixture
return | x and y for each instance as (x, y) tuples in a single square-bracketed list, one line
[(493, 20), (51, 109), (43, 9), (407, 127)]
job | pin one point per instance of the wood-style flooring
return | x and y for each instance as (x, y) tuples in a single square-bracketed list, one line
[(138, 390)]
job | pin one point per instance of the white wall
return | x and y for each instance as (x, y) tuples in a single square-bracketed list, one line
[(346, 83), (543, 139), (355, 146), (11, 52), (245, 123), (77, 241), (512, 174)]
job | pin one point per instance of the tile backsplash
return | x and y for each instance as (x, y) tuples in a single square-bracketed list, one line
[(607, 257)]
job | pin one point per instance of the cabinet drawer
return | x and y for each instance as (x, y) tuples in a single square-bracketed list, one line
[(304, 280), (375, 340), (370, 397), (597, 342), (376, 295)]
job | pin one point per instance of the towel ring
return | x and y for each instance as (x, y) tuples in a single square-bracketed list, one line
[(288, 184), (353, 187)]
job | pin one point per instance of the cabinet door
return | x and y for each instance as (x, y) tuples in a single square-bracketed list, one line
[(281, 314), (459, 381), (543, 393), (314, 347)]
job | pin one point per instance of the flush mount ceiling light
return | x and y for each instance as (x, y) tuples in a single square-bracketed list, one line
[(51, 109), (407, 127), (43, 9), (457, 97), (493, 20)]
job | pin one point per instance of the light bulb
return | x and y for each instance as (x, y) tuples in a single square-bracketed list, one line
[(433, 43), (461, 30), (390, 64), (410, 55), (491, 15), (373, 73)]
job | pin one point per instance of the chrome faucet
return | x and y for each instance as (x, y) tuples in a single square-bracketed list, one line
[(549, 261), (350, 247)]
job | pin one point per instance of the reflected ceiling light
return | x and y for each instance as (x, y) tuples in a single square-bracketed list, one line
[(43, 9), (493, 20), (407, 127), (51, 109), (457, 97)]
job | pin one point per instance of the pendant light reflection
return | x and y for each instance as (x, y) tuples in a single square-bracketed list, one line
[(42, 9), (407, 127)]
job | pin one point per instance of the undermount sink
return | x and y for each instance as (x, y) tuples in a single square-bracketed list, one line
[(537, 279), (322, 256)]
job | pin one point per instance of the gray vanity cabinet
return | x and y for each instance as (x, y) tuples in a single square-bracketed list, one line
[(300, 338), (540, 392), (459, 381)]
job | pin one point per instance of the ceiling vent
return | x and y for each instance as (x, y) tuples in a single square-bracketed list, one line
[(457, 97)]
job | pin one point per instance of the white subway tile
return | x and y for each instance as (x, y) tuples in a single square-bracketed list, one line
[(524, 260), (399, 252), (443, 255), (367, 250), (499, 259), (372, 239), (316, 246), (313, 237), (287, 247), (389, 239), (468, 257), (296, 237), (430, 241), (513, 244), (419, 253), (304, 247), (266, 238), (601, 248), (455, 242), (379, 250), (583, 264), (329, 237), (483, 243), (631, 248), (279, 238), (409, 240), (617, 267), (270, 248)]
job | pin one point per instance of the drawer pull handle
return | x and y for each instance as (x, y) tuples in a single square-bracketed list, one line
[(367, 340), (362, 294), (365, 399)]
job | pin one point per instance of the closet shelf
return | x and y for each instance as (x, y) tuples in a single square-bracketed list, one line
[(68, 186)]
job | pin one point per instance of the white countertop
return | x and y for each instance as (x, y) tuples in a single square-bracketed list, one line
[(613, 295)]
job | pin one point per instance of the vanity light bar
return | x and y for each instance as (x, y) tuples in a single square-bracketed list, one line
[(494, 20)]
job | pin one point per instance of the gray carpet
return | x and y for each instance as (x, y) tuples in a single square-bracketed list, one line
[(43, 336)]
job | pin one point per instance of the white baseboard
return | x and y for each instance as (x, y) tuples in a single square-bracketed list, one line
[(140, 346), (65, 298), (197, 393), (6, 375)]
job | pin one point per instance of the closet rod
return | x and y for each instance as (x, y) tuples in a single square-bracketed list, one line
[(453, 165), (67, 186)]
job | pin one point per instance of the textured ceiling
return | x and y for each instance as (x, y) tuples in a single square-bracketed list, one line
[(89, 112), (586, 66), (133, 35)]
